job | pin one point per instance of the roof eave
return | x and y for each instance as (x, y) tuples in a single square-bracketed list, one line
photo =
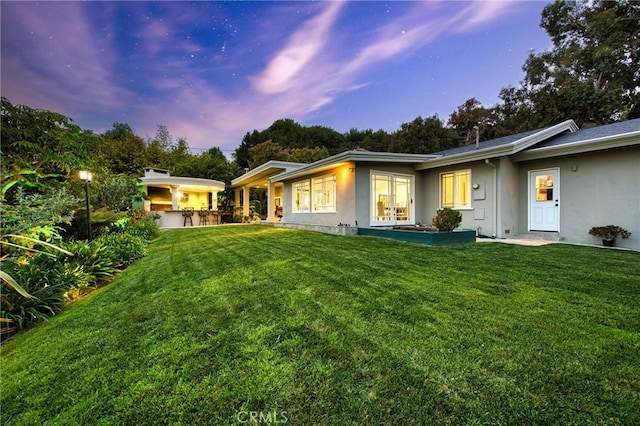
[(352, 156), (578, 147)]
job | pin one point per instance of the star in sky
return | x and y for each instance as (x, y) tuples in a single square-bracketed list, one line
[(212, 71)]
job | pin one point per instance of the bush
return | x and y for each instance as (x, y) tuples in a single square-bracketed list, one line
[(447, 219), (46, 279), (92, 258), (145, 228), (123, 249)]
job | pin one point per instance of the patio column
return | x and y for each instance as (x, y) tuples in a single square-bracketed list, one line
[(245, 201), (270, 203), (236, 203), (174, 197)]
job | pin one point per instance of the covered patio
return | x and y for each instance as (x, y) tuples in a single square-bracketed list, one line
[(260, 178), (173, 196)]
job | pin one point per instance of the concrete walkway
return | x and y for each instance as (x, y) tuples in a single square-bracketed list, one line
[(521, 242)]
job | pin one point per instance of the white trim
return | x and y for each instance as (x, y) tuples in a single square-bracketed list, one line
[(412, 196), (557, 196), (469, 196)]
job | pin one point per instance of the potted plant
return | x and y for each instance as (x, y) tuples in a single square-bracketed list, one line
[(609, 233)]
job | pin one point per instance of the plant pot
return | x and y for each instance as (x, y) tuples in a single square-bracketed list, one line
[(608, 243)]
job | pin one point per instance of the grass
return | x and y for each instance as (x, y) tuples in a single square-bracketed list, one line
[(316, 329)]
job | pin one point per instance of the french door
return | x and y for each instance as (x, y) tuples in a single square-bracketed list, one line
[(391, 199)]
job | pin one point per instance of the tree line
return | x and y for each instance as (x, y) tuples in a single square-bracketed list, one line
[(591, 74)]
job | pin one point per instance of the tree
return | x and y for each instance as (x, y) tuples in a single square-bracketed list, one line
[(422, 136), (590, 75), (471, 114), (40, 146), (123, 151)]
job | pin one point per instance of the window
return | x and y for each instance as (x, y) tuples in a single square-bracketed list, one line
[(323, 190), (455, 189), (324, 194), (301, 196)]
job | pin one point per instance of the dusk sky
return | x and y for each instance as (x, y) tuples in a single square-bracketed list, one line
[(212, 71)]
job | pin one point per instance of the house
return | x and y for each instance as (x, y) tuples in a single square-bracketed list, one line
[(554, 183)]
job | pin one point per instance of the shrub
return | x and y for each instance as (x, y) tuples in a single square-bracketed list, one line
[(46, 279), (609, 232), (447, 219), (93, 259), (123, 249), (145, 228)]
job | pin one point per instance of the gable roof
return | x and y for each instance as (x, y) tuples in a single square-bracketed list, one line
[(624, 133), (507, 145), (264, 171)]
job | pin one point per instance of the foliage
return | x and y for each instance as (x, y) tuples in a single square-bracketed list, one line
[(145, 228), (44, 143), (114, 192), (289, 135), (422, 136), (447, 219), (123, 249), (269, 150), (45, 279), (591, 74), (91, 258), (38, 216), (609, 232), (462, 334)]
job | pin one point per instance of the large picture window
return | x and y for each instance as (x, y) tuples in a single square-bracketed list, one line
[(324, 194), (314, 195), (455, 189)]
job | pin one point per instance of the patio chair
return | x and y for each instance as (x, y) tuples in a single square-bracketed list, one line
[(204, 217), (187, 213), (278, 212)]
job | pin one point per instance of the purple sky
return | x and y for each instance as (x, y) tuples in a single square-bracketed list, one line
[(212, 71)]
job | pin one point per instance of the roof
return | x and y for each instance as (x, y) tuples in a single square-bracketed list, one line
[(508, 145), (353, 156), (264, 171), (590, 133)]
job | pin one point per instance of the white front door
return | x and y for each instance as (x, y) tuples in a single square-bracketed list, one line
[(544, 198), (391, 199)]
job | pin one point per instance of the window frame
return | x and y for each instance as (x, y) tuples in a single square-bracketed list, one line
[(295, 206), (326, 182), (455, 174), (328, 190)]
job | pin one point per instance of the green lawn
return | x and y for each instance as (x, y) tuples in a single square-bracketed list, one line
[(316, 329)]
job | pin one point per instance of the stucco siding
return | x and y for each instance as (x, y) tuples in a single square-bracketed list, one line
[(598, 188), (345, 200), (479, 216)]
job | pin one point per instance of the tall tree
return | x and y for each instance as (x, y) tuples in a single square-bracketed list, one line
[(124, 151), (591, 74)]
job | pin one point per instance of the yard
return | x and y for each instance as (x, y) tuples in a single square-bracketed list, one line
[(217, 325)]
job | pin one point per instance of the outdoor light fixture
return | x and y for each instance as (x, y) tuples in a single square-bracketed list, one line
[(86, 177)]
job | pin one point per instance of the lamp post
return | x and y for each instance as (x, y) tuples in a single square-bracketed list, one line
[(86, 177)]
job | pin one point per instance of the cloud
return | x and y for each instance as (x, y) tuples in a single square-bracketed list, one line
[(64, 56), (302, 47), (51, 59)]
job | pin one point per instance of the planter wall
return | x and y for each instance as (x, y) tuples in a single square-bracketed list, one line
[(422, 237)]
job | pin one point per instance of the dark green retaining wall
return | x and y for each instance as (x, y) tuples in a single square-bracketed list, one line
[(429, 238)]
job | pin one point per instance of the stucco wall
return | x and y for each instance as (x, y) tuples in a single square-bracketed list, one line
[(345, 200), (604, 190), (480, 215)]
